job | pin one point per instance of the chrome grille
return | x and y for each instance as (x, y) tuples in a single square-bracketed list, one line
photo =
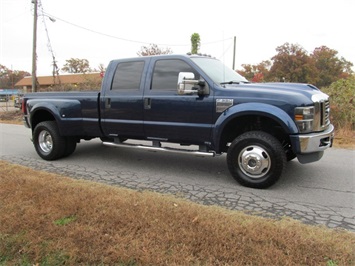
[(325, 112), (322, 113)]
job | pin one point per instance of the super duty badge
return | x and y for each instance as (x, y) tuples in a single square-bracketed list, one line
[(223, 104)]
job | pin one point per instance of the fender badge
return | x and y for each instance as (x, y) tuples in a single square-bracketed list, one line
[(223, 104)]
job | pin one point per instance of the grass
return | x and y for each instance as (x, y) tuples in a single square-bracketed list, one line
[(48, 219), (11, 117)]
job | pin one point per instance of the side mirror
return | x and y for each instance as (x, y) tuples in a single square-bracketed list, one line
[(187, 84)]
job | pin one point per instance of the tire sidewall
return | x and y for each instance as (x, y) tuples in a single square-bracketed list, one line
[(265, 141), (59, 143)]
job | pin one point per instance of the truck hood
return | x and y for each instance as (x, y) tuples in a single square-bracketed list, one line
[(280, 86), (298, 94)]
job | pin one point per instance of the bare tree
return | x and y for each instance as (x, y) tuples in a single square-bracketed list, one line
[(153, 49), (76, 65)]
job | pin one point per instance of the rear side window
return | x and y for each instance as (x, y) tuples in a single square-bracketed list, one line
[(128, 76), (166, 72)]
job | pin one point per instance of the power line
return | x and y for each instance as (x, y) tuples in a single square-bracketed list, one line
[(55, 71), (125, 39)]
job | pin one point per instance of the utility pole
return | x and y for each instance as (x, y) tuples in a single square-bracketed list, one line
[(34, 47), (234, 52)]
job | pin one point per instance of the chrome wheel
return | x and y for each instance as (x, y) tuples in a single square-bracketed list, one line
[(45, 141), (48, 142), (254, 161)]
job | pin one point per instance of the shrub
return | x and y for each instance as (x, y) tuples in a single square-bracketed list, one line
[(342, 102)]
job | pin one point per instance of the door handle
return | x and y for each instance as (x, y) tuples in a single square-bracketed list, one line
[(108, 103), (147, 103)]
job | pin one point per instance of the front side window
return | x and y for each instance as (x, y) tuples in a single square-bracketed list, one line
[(166, 72), (128, 76)]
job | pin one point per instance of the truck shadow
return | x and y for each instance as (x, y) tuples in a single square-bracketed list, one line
[(173, 166)]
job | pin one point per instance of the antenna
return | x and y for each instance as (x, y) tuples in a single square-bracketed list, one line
[(224, 68), (234, 53)]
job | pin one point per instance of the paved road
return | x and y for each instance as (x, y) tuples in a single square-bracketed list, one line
[(319, 193)]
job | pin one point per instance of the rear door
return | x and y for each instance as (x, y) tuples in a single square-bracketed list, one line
[(122, 102)]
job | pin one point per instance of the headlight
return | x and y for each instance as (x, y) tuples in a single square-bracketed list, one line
[(304, 117)]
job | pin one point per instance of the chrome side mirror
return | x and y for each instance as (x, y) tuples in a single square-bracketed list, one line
[(188, 85)]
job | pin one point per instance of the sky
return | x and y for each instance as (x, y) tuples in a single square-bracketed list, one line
[(100, 31)]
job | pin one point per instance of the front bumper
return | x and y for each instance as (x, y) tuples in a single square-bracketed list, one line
[(313, 142), (310, 147)]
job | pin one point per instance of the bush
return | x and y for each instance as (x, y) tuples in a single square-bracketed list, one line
[(342, 102)]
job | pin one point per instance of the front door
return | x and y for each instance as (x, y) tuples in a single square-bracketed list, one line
[(170, 116)]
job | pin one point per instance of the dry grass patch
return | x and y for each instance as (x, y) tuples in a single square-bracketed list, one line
[(50, 219), (11, 117), (344, 138)]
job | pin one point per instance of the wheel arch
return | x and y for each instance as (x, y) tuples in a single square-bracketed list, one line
[(251, 116), (40, 113)]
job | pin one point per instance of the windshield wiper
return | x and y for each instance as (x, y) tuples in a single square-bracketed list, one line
[(233, 82)]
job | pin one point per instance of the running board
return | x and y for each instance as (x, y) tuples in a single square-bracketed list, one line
[(157, 148)]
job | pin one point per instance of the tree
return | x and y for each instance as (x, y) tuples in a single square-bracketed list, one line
[(76, 65), (195, 43), (153, 49), (256, 73), (293, 64), (341, 93), (329, 67), (101, 68), (8, 77)]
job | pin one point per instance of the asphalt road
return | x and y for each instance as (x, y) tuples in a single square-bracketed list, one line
[(321, 193)]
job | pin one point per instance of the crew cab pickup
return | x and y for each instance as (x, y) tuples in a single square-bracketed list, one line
[(195, 103)]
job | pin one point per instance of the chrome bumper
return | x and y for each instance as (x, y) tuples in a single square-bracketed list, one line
[(316, 142)]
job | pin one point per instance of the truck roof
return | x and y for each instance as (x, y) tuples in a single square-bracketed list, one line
[(168, 56)]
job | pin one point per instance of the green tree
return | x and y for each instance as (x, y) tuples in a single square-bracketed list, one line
[(76, 65), (153, 49), (293, 64), (330, 68), (195, 43), (342, 100)]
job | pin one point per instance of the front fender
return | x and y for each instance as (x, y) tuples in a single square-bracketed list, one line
[(257, 109)]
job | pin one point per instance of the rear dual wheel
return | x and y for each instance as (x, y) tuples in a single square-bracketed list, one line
[(256, 159), (49, 144)]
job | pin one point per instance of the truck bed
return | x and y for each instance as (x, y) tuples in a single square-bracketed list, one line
[(78, 112)]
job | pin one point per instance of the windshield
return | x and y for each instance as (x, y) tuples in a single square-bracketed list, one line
[(217, 71)]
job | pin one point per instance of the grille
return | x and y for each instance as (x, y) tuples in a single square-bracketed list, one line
[(324, 112)]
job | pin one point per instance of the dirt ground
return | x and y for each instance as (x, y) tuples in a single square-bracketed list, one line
[(7, 106)]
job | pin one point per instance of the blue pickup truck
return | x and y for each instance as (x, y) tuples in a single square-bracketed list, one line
[(195, 103)]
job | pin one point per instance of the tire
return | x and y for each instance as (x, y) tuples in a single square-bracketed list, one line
[(49, 144), (290, 156), (256, 159), (70, 146)]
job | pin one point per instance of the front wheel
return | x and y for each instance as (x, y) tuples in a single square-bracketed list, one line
[(48, 143), (256, 159)]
